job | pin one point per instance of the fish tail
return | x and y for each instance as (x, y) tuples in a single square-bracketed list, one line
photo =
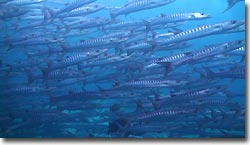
[(168, 67), (10, 47), (30, 77), (113, 13), (45, 72), (52, 99), (119, 127), (148, 26), (230, 4), (208, 73)]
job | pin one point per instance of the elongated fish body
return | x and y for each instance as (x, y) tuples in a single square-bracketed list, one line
[(25, 2), (5, 1), (94, 22), (203, 31), (179, 17), (11, 12), (152, 83), (123, 25), (163, 115), (85, 10), (36, 41), (158, 61), (27, 90), (97, 42), (105, 61), (189, 95), (73, 60), (217, 49), (118, 34), (231, 3), (141, 46), (235, 72), (138, 5), (57, 75), (75, 4), (241, 28), (207, 52)]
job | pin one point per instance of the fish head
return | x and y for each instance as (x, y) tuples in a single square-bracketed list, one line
[(200, 16), (216, 89), (55, 39), (236, 44), (228, 25), (97, 51), (118, 40), (97, 7)]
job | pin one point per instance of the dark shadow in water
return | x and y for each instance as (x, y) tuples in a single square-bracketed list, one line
[(131, 140)]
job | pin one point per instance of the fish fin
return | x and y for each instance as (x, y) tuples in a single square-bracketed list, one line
[(119, 126), (116, 83), (242, 59), (45, 72), (177, 30), (10, 47), (230, 4), (155, 104), (208, 73), (30, 77), (147, 24), (113, 13), (168, 66), (163, 15), (67, 28), (139, 106), (52, 99)]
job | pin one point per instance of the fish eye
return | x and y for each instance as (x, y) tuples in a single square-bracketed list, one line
[(239, 42), (233, 22), (202, 14)]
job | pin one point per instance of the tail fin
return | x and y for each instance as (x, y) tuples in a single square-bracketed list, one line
[(49, 15), (113, 13), (168, 67), (208, 73), (30, 77), (119, 127), (45, 72), (230, 4), (148, 26)]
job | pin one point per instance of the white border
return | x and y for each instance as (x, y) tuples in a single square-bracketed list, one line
[(139, 142)]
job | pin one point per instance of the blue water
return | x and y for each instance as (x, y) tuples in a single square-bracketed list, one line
[(49, 107)]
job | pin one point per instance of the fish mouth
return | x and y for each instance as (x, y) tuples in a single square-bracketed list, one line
[(202, 15)]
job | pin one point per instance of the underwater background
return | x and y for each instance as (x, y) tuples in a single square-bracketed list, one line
[(92, 75)]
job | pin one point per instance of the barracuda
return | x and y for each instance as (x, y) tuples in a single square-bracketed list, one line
[(75, 4), (92, 8), (203, 31), (179, 17), (72, 60), (138, 5), (234, 72)]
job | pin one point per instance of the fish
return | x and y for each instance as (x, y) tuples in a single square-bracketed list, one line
[(179, 17), (72, 60), (234, 72), (80, 11), (135, 6), (203, 31), (122, 69), (73, 5)]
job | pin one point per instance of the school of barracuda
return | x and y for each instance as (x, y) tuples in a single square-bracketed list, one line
[(68, 73)]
